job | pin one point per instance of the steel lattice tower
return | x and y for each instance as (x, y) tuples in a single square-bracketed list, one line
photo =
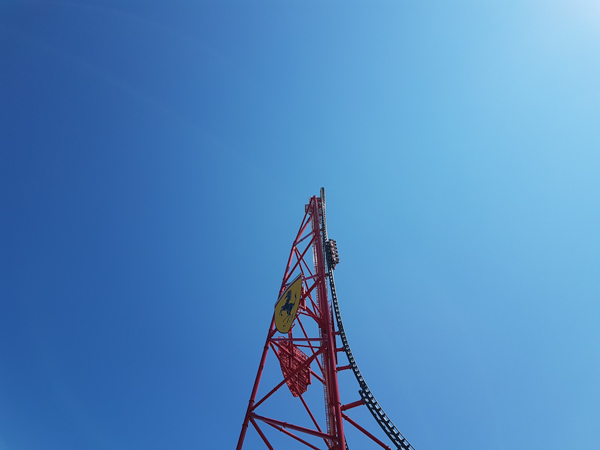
[(303, 338)]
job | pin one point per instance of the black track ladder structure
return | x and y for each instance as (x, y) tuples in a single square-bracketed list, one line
[(365, 393)]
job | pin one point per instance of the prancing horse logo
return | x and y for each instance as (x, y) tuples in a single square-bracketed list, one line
[(287, 305)]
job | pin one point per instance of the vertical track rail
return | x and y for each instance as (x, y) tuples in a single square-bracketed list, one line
[(365, 393)]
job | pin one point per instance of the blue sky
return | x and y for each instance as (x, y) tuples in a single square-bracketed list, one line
[(155, 160)]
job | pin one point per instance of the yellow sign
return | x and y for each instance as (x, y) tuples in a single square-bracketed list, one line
[(287, 305)]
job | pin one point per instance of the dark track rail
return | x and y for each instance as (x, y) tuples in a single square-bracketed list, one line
[(365, 393)]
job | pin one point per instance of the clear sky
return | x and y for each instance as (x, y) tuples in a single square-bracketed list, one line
[(155, 160)]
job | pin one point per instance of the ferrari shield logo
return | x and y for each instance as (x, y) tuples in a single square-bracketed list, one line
[(287, 305)]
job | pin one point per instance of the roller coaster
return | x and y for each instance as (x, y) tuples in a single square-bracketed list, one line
[(303, 338)]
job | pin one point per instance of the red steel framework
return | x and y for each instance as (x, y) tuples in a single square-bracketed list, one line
[(308, 352)]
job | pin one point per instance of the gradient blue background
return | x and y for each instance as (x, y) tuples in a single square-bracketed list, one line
[(155, 159)]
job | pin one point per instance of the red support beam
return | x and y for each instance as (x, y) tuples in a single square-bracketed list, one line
[(291, 426), (293, 436), (261, 434), (333, 408), (366, 432), (353, 405)]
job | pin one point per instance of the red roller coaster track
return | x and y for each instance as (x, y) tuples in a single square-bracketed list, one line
[(309, 351)]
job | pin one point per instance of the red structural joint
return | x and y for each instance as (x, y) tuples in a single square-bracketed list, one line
[(353, 405)]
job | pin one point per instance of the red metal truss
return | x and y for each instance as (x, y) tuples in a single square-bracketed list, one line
[(307, 354), (313, 330)]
